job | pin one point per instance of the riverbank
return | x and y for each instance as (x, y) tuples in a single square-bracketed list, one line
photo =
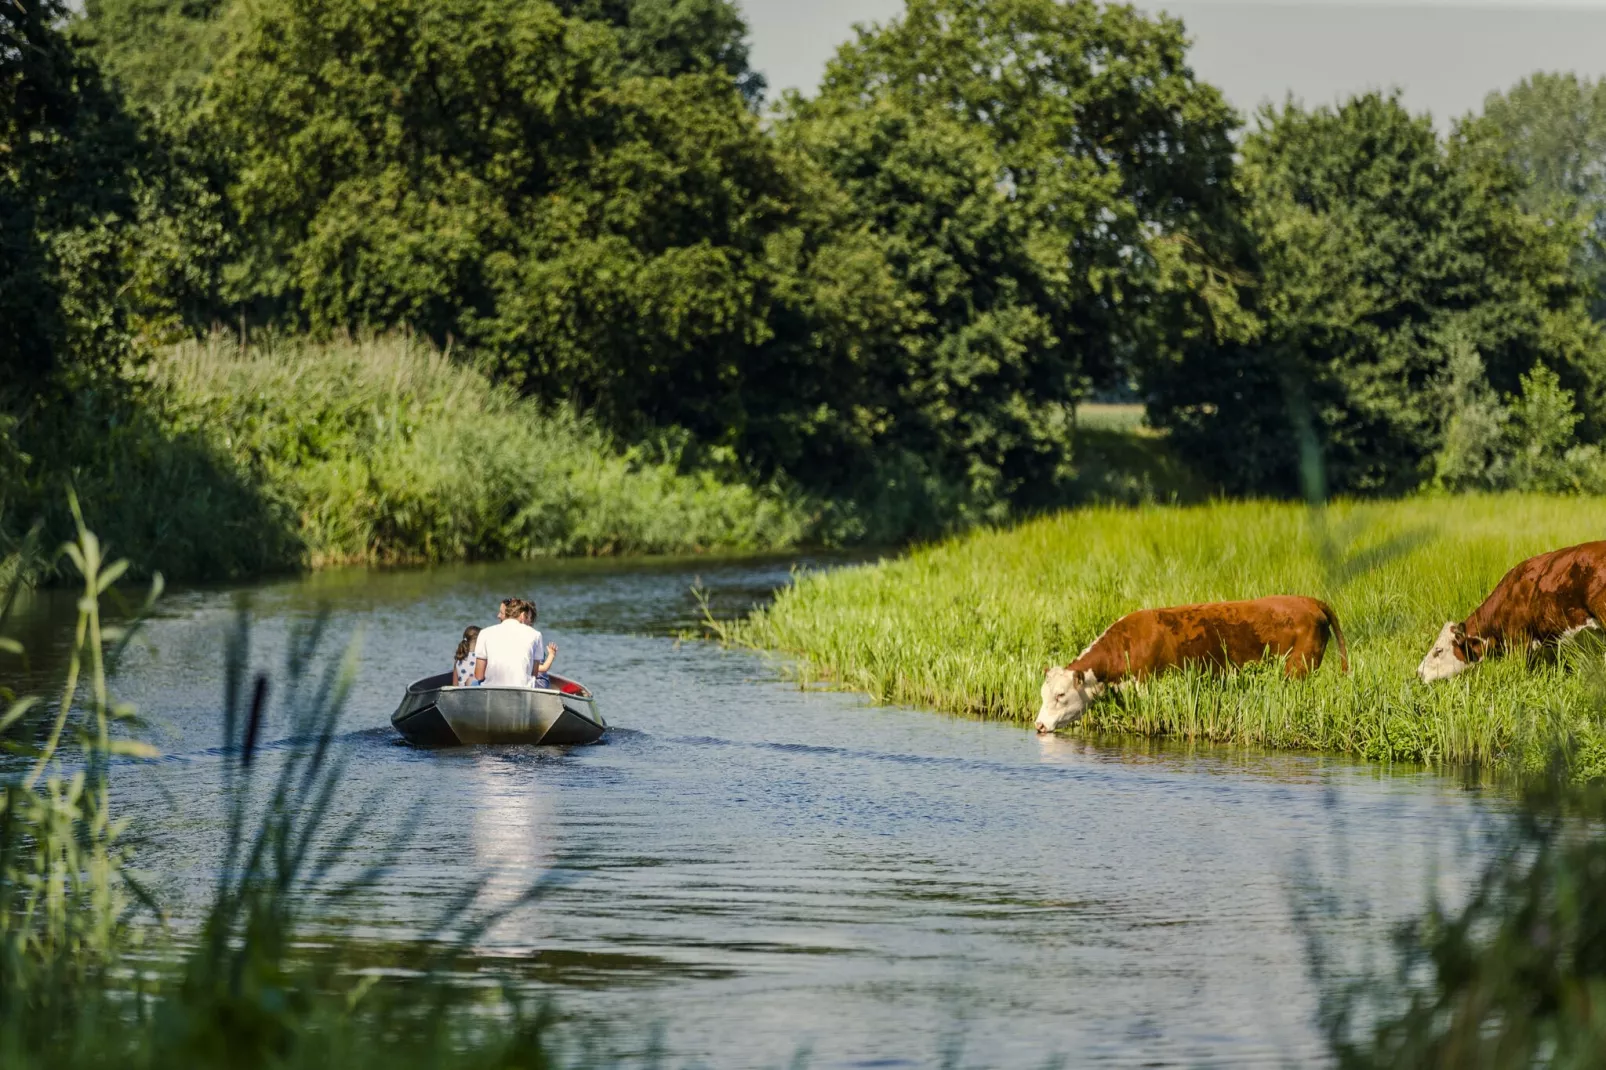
[(966, 626), (229, 462)]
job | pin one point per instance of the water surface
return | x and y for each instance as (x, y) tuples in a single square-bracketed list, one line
[(758, 870)]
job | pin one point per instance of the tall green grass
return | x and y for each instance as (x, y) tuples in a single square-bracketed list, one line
[(968, 625), (227, 462), (386, 451)]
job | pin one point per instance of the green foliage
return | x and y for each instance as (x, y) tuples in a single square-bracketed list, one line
[(893, 296), (487, 174), (1375, 241), (63, 893), (69, 159), (1527, 442), (230, 465), (664, 38), (1030, 169), (1552, 128), (387, 452), (165, 494), (968, 625), (158, 51)]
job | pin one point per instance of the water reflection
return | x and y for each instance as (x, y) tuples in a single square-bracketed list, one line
[(511, 819)]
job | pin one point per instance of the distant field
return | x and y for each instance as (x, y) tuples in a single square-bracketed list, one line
[(1120, 459), (1126, 419), (967, 626)]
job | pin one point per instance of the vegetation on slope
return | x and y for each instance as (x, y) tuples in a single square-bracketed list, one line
[(968, 625), (230, 463), (387, 451)]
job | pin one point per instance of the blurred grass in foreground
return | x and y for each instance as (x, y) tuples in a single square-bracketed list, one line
[(90, 977), (1511, 974), (968, 625)]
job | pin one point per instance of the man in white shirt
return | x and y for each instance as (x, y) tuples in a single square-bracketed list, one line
[(508, 654)]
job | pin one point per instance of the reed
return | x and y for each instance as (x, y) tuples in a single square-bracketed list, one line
[(968, 625), (91, 977), (229, 462), (386, 451)]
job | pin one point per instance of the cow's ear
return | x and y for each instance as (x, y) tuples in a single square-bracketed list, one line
[(1077, 676), (1477, 648), (1458, 632)]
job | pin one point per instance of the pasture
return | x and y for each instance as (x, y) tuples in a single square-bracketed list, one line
[(968, 625)]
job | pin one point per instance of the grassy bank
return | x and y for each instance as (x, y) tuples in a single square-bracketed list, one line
[(968, 625), (232, 462), (388, 452)]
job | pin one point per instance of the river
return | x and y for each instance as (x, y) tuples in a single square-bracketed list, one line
[(751, 871)]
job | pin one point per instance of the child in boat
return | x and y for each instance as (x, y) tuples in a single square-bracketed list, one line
[(527, 613), (463, 660)]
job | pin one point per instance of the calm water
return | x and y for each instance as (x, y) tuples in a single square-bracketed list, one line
[(761, 871)]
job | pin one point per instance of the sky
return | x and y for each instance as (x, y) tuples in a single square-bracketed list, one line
[(1444, 55)]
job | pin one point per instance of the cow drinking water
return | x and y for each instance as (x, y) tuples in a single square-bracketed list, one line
[(1540, 602), (1216, 635)]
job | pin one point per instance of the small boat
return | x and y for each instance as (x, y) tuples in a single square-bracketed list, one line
[(434, 713)]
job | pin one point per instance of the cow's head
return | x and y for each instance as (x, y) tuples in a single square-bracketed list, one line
[(1065, 698), (1453, 651)]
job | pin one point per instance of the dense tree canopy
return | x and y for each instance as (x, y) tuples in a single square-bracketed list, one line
[(489, 173), (69, 167), (1376, 242), (670, 37), (1553, 130), (1034, 169)]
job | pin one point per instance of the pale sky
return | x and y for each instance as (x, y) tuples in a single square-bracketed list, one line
[(1445, 55)]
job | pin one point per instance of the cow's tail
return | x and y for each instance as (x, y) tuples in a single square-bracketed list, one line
[(1338, 633)]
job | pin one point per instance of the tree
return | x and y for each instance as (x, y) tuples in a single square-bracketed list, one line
[(69, 165), (1553, 129), (1376, 245), (159, 50), (1051, 183), (491, 174), (670, 37)]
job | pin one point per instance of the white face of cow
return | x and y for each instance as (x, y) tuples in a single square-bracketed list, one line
[(1065, 698), (1448, 656)]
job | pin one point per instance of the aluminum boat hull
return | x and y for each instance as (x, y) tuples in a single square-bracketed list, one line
[(433, 713)]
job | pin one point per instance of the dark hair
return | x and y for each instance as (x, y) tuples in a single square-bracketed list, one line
[(529, 604), (471, 633)]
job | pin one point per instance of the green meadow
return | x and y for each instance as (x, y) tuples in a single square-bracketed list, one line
[(968, 625)]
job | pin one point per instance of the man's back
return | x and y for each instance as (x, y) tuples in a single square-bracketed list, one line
[(512, 650)]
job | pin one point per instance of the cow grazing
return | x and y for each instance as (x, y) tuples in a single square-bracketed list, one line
[(1540, 602), (1216, 635)]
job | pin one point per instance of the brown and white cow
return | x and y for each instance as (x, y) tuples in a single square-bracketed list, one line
[(1215, 635), (1542, 601)]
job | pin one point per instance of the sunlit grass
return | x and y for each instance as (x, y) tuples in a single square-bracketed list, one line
[(968, 625), (387, 451)]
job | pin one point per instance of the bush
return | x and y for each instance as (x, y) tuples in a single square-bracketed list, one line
[(386, 451), (1526, 442)]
